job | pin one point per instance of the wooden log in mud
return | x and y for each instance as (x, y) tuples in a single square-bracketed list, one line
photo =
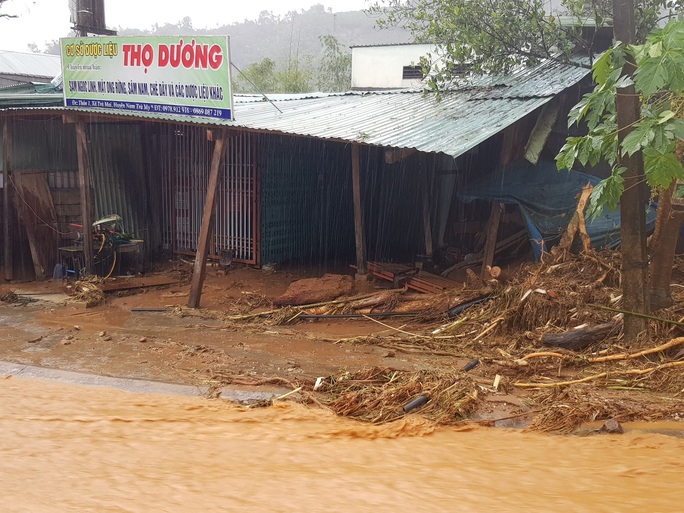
[(579, 339)]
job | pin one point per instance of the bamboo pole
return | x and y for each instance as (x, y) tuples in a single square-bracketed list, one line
[(637, 314), (613, 357), (630, 372)]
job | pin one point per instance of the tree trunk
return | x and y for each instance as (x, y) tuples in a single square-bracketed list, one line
[(577, 340), (663, 246), (635, 291)]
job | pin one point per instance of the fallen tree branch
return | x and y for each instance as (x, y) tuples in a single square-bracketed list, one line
[(489, 328), (543, 354), (313, 305), (561, 383), (614, 357), (631, 372), (629, 356), (578, 339), (637, 314)]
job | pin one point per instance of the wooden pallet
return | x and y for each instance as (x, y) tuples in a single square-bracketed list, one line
[(421, 281)]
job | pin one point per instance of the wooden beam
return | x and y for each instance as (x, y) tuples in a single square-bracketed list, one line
[(394, 156), (7, 200), (492, 233), (86, 195), (359, 232), (37, 214), (200, 267)]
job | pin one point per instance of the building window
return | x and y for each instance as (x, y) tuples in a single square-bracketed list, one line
[(413, 73), (461, 69)]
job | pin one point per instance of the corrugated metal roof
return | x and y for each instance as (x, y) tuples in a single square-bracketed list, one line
[(547, 79), (30, 65), (399, 120), (453, 124), (376, 45)]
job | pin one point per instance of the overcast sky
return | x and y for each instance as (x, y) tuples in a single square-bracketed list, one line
[(39, 21)]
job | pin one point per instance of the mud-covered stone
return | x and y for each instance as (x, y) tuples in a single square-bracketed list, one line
[(316, 290), (612, 426)]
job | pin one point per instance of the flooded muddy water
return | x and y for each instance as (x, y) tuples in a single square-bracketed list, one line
[(74, 448)]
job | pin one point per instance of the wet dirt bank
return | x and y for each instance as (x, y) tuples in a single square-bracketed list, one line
[(371, 368)]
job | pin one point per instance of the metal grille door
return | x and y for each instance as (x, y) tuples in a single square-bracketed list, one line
[(186, 178)]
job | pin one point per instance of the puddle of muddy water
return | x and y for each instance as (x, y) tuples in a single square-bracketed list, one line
[(77, 448), (662, 427)]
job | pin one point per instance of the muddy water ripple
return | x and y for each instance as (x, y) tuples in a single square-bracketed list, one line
[(70, 448)]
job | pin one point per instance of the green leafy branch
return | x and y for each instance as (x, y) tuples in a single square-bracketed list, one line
[(659, 80)]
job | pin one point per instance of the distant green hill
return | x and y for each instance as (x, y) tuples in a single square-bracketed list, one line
[(285, 38)]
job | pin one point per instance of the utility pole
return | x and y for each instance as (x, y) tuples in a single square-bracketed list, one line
[(88, 17), (635, 289)]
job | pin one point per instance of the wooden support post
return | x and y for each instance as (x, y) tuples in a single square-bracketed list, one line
[(7, 200), (490, 244), (200, 267), (427, 223), (86, 195), (361, 268)]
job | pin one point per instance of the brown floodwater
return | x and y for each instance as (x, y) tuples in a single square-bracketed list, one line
[(67, 448)]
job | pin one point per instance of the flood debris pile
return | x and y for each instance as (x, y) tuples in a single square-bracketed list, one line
[(548, 337), (565, 410), (11, 298), (381, 395), (551, 333), (86, 291)]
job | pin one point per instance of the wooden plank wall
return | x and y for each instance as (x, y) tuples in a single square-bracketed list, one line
[(68, 209)]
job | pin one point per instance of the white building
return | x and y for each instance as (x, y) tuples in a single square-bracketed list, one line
[(388, 66)]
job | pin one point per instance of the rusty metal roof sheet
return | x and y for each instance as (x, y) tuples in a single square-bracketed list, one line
[(453, 124)]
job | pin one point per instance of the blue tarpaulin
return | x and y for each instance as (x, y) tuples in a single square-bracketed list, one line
[(547, 199)]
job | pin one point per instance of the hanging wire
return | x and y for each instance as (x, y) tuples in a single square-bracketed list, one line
[(255, 87)]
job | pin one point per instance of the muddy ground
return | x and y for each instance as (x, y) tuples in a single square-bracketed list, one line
[(148, 332)]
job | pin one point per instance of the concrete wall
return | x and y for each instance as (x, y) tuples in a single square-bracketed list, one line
[(381, 67)]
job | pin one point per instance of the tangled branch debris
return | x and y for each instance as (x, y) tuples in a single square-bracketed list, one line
[(380, 395), (505, 332), (87, 291)]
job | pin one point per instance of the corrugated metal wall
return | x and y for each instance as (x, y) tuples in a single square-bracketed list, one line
[(393, 206), (46, 143), (119, 174), (306, 201), (186, 163), (307, 207)]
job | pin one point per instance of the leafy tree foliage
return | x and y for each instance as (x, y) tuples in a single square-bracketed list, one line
[(333, 73), (265, 77), (659, 80), (334, 70), (258, 77), (496, 35)]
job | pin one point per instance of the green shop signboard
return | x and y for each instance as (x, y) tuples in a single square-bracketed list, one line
[(187, 76)]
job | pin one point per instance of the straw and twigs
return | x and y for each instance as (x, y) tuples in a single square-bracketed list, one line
[(380, 395)]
